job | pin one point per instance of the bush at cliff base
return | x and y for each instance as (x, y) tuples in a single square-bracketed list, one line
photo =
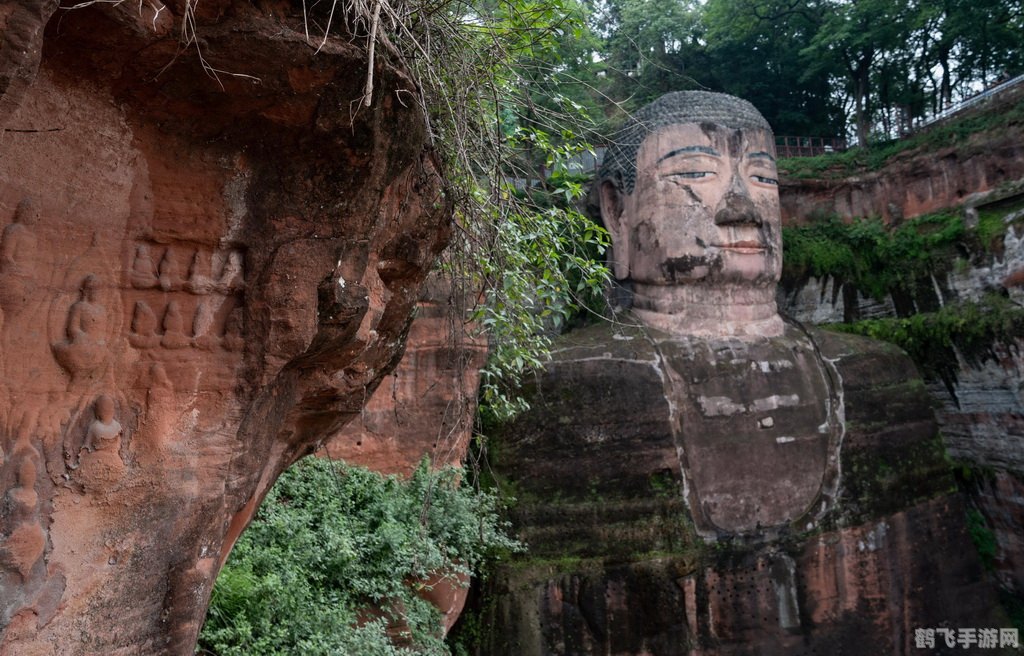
[(329, 564)]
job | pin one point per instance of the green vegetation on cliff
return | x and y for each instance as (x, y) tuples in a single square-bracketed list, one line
[(874, 258), (929, 338), (336, 557), (956, 132), (904, 263)]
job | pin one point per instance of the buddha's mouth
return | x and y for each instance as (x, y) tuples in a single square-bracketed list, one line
[(750, 246)]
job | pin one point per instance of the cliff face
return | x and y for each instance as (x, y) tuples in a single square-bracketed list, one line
[(210, 260), (916, 181), (427, 405), (978, 400)]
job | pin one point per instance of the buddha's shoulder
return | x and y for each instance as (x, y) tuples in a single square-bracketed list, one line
[(862, 361), (605, 340)]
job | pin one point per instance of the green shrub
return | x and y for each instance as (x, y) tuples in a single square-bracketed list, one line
[(876, 259), (929, 338), (333, 542), (983, 537)]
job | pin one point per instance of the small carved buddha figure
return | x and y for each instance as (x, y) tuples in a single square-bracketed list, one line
[(203, 327), (84, 349), (100, 459), (174, 328), (22, 547), (231, 277), (18, 244), (105, 431), (143, 274), (233, 337), (199, 282), (169, 279), (17, 258), (144, 325), (689, 451)]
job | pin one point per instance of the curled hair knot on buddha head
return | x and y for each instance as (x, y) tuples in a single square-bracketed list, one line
[(619, 165)]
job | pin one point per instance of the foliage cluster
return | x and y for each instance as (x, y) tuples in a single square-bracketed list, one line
[(489, 95), (873, 257), (334, 558), (929, 338), (544, 268), (983, 538), (813, 67)]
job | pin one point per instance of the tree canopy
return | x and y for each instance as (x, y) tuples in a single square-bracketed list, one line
[(867, 68)]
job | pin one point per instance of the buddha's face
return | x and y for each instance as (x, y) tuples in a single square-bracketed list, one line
[(705, 209), (90, 288)]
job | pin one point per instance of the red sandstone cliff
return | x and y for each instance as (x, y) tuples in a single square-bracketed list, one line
[(915, 181), (215, 270), (427, 405)]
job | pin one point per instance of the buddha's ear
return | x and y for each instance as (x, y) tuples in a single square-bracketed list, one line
[(612, 209)]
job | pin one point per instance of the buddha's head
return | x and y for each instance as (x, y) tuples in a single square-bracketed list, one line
[(90, 288), (689, 194), (104, 408), (27, 213)]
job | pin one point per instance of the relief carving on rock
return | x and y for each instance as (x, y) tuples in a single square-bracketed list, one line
[(100, 462), (23, 539), (168, 313), (84, 350), (17, 258), (131, 286)]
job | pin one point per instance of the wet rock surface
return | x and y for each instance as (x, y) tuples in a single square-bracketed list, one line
[(979, 401)]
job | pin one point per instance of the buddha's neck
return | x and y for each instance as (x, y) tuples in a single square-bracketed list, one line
[(708, 311)]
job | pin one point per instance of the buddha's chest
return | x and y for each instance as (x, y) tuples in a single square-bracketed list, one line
[(756, 426)]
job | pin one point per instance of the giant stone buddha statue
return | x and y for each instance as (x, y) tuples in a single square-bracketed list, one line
[(699, 475)]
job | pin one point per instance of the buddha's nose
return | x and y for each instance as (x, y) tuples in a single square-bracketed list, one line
[(737, 209)]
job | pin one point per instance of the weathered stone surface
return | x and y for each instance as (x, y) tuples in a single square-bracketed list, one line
[(228, 256), (1000, 497), (426, 406), (982, 415), (980, 406), (851, 591), (914, 183), (856, 545)]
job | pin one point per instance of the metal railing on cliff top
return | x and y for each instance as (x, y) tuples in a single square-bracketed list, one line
[(808, 146), (970, 102)]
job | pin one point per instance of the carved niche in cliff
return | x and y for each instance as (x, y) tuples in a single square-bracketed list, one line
[(732, 481)]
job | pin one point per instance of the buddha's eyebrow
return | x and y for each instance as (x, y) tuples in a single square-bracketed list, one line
[(688, 149), (761, 155)]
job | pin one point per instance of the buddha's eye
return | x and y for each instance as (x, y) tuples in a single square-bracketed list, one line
[(764, 180), (690, 175)]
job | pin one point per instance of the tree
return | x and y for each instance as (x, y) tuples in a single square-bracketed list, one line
[(651, 47), (756, 51)]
